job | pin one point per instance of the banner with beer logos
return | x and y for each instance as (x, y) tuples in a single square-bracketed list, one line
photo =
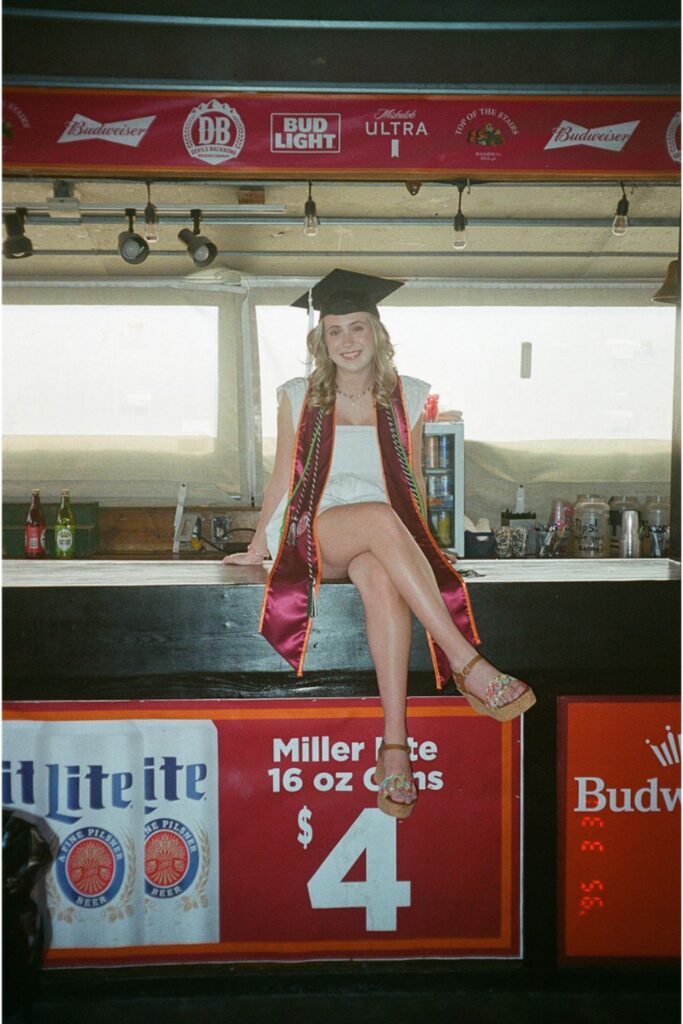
[(283, 135), (620, 827), (238, 830)]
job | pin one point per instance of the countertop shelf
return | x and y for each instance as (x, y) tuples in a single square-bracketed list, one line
[(202, 572)]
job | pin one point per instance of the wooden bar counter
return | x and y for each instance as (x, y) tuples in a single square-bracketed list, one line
[(187, 629)]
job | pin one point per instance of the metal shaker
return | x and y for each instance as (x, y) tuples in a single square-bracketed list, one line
[(629, 541)]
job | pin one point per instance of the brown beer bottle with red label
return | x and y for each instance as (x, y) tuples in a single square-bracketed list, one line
[(34, 533)]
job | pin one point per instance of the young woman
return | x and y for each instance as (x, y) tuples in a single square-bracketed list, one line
[(346, 500)]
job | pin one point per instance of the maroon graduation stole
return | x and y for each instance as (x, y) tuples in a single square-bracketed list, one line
[(289, 601)]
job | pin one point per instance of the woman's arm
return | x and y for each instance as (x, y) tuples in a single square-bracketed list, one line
[(417, 462), (277, 485)]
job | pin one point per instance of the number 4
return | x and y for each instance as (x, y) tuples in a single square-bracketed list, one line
[(380, 893)]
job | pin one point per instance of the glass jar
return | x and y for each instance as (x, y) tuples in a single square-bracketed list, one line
[(591, 527), (656, 515), (617, 506)]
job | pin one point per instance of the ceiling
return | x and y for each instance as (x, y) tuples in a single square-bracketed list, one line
[(471, 45), (516, 231)]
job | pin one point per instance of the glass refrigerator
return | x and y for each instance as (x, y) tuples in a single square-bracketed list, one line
[(443, 465)]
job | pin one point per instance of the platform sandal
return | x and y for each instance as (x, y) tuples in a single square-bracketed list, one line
[(399, 780), (494, 703)]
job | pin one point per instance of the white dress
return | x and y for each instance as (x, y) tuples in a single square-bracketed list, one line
[(356, 471)]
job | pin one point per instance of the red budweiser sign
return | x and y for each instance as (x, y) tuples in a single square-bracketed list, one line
[(72, 131)]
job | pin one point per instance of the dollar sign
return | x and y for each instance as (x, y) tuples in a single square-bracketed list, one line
[(305, 830)]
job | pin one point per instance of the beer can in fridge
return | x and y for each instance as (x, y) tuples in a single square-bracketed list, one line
[(444, 451), (431, 458)]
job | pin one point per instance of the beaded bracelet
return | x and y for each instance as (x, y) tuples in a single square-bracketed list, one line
[(251, 551)]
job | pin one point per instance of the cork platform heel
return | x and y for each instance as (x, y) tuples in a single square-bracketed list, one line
[(397, 781), (494, 703)]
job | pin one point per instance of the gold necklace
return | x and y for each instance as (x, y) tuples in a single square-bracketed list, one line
[(354, 398)]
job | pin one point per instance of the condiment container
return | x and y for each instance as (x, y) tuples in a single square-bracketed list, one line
[(656, 526), (591, 527)]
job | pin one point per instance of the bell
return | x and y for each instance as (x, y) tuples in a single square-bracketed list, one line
[(670, 289)]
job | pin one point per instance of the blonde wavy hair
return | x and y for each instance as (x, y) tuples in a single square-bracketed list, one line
[(323, 388)]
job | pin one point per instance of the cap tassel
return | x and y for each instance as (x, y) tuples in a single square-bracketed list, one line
[(311, 311)]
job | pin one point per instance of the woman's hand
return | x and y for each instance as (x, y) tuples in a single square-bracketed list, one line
[(245, 558)]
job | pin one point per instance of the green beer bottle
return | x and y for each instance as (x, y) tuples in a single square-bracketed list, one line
[(65, 528)]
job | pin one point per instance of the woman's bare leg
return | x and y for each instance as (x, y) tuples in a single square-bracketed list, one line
[(389, 630), (352, 530)]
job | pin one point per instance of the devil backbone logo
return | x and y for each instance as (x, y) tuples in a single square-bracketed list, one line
[(90, 866), (673, 138), (214, 132), (171, 858)]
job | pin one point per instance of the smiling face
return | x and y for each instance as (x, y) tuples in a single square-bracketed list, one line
[(350, 341)]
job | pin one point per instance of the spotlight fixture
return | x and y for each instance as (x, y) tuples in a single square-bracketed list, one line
[(151, 219), (311, 222), (460, 222), (202, 251), (16, 245), (620, 222), (132, 247)]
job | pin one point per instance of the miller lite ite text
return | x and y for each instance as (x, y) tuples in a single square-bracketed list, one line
[(130, 809), (181, 831)]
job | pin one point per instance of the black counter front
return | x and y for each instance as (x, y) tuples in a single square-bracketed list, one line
[(168, 630), (145, 629)]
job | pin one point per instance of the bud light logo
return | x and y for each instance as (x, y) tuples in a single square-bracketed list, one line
[(305, 133), (90, 867), (214, 132), (171, 858)]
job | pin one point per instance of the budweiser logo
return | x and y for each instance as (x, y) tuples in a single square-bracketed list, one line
[(123, 133), (668, 752), (594, 795), (609, 136)]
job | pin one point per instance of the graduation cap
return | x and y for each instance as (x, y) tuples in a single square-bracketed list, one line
[(344, 291)]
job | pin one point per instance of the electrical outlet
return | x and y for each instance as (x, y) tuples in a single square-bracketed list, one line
[(219, 528), (186, 528)]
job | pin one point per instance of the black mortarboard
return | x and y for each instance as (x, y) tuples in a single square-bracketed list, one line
[(344, 291)]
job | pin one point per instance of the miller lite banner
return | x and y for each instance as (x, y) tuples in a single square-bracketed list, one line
[(248, 830), (620, 827), (128, 132)]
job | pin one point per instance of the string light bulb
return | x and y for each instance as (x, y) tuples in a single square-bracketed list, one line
[(151, 219), (311, 222), (620, 222), (460, 223)]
